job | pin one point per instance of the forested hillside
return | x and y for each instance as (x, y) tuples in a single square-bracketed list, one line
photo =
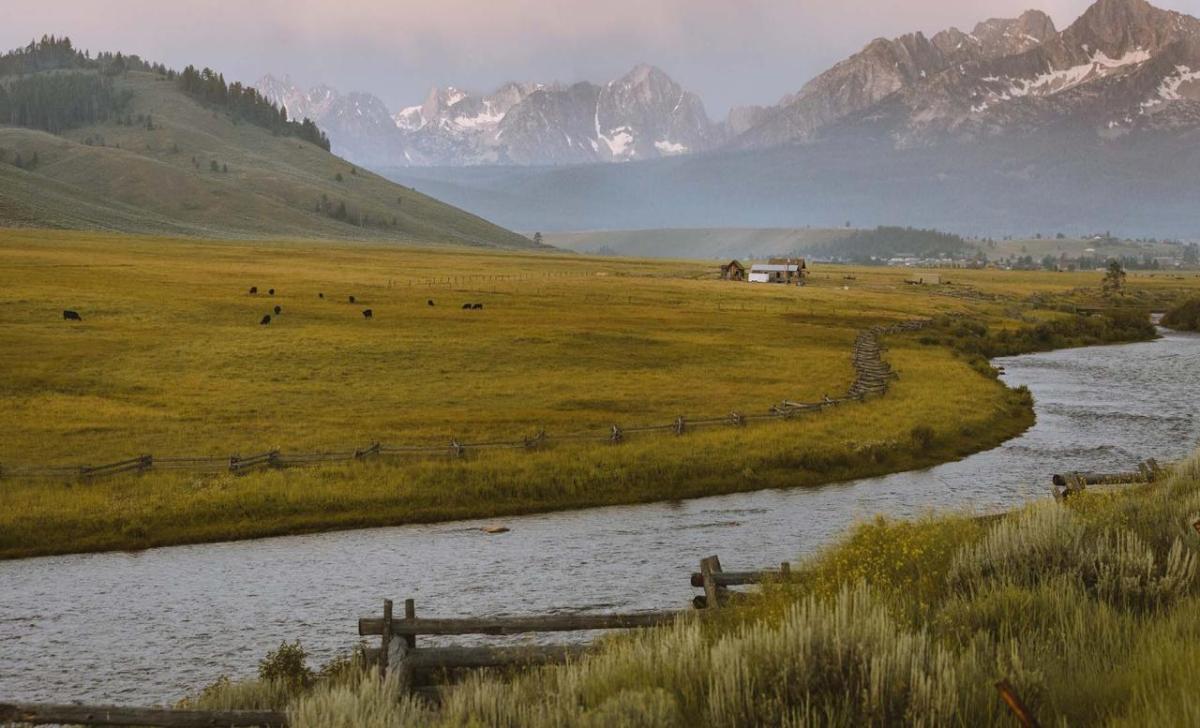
[(112, 142)]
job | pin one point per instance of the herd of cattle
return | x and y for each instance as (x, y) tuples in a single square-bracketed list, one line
[(367, 313)]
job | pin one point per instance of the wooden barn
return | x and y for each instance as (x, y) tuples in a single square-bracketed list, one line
[(733, 271), (788, 271)]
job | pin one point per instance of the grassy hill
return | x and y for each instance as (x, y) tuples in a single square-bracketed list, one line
[(199, 171), (704, 243)]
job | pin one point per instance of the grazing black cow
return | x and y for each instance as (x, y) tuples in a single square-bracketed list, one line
[(321, 295), (466, 307), (368, 313), (278, 310), (271, 292), (71, 316), (477, 306), (265, 320), (253, 290), (352, 299), (430, 302)]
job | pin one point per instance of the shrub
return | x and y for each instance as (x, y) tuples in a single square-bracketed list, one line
[(1184, 316), (1048, 540), (286, 665)]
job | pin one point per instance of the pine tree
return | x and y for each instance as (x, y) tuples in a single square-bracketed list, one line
[(1114, 278)]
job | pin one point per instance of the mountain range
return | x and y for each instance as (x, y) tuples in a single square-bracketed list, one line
[(642, 115), (1014, 128), (1123, 67)]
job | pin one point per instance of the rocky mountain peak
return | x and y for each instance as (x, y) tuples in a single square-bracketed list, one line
[(1117, 27)]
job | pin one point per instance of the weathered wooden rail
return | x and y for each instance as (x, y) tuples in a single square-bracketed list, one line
[(1148, 471), (49, 714), (872, 377), (420, 668)]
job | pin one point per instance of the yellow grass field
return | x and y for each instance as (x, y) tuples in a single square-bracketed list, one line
[(170, 360)]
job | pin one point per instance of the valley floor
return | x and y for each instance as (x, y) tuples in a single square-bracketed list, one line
[(170, 359)]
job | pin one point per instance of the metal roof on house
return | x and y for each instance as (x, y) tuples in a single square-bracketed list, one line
[(767, 268)]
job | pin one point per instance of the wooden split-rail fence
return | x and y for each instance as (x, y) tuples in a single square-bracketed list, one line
[(872, 378), (423, 669)]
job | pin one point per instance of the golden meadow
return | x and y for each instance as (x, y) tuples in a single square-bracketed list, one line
[(170, 360)]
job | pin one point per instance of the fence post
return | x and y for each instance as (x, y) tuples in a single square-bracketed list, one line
[(708, 567), (680, 425), (385, 641), (617, 435)]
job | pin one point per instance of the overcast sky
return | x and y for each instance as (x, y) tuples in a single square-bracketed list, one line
[(731, 52)]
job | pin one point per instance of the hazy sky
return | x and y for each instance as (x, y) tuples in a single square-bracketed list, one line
[(731, 52)]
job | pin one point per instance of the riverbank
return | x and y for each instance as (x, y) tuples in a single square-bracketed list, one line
[(940, 409), (1088, 609)]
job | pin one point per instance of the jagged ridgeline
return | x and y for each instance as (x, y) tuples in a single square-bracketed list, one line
[(52, 86)]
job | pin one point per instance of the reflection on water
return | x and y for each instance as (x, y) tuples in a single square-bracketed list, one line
[(145, 627)]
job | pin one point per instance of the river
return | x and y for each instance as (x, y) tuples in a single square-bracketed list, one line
[(146, 627)]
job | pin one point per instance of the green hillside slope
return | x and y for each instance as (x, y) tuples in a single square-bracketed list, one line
[(712, 243), (182, 167)]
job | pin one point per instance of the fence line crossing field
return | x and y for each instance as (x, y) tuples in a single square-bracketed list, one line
[(170, 358)]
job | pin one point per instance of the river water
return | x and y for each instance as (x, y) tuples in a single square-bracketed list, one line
[(140, 628)]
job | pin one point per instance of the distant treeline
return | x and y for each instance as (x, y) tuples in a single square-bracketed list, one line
[(56, 54), (882, 243), (246, 103), (50, 85)]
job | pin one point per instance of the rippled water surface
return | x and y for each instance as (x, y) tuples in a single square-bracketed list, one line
[(145, 627)]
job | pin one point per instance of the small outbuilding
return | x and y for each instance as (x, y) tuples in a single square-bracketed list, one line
[(733, 271), (780, 270)]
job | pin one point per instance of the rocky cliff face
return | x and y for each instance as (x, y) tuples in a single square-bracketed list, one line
[(1123, 66)]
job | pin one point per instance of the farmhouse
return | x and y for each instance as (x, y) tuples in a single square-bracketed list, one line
[(780, 270), (733, 271)]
